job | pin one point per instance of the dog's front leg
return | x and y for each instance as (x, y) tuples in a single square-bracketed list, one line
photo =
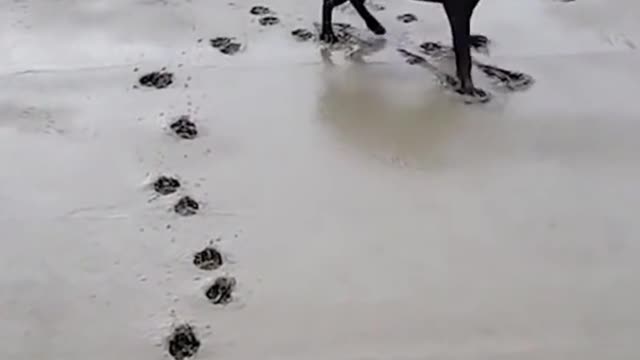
[(326, 34), (459, 14)]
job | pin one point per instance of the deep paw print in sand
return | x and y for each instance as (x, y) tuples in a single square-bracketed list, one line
[(269, 21), (184, 128), (302, 34), (220, 292), (260, 10), (225, 45), (156, 79), (183, 342), (208, 259), (186, 206), (407, 18), (165, 185)]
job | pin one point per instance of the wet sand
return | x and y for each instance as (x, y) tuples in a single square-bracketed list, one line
[(363, 212)]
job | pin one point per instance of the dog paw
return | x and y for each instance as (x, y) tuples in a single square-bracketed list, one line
[(474, 95)]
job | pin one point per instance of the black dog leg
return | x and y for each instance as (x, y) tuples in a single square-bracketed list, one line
[(372, 23), (326, 34), (459, 14)]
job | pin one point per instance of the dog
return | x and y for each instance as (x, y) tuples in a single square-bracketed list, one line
[(459, 13)]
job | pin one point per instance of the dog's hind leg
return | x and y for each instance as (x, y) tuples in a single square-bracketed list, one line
[(459, 14), (372, 23), (326, 34)]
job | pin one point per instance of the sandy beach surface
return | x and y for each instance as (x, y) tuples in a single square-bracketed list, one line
[(360, 211)]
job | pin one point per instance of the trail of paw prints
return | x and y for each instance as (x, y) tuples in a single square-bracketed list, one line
[(266, 17), (229, 44), (348, 37), (183, 342)]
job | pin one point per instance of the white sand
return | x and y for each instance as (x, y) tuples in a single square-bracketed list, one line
[(375, 217)]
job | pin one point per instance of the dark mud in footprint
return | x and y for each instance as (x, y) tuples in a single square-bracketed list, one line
[(220, 41), (166, 185), (511, 80), (260, 10), (407, 18), (208, 259), (225, 45), (269, 21), (157, 79), (302, 34), (184, 128), (220, 292), (183, 342), (230, 49), (186, 206), (479, 43)]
